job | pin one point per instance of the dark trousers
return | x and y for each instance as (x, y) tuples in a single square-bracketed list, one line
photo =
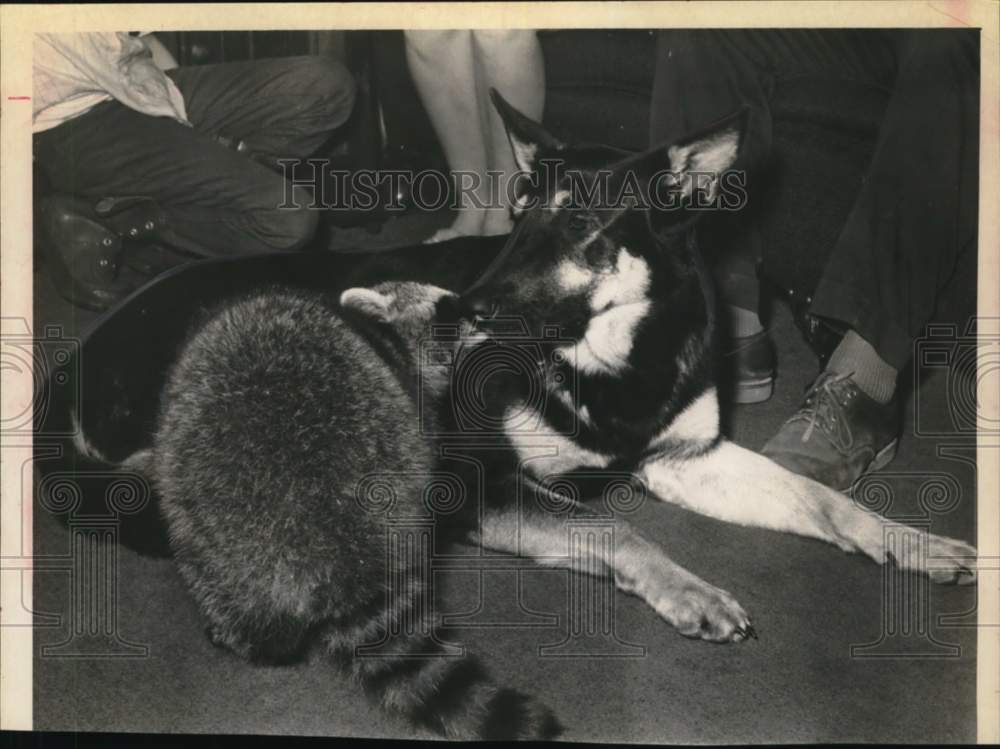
[(917, 210), (218, 200)]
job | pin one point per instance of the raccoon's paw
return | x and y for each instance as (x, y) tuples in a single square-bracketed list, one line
[(224, 640), (518, 717), (215, 636), (705, 612)]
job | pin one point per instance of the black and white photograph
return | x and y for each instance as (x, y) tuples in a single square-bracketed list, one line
[(621, 372)]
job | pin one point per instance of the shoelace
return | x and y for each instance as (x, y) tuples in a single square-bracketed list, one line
[(824, 404)]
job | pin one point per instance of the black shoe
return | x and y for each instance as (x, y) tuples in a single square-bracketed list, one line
[(749, 366), (838, 434), (83, 256)]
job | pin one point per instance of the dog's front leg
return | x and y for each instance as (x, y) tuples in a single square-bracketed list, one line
[(737, 485), (693, 606)]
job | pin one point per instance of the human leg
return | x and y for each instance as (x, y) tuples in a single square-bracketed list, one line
[(279, 108), (701, 77), (510, 61), (913, 218), (916, 212), (443, 68), (217, 201)]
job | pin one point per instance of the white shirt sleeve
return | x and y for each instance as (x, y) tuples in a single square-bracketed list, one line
[(114, 64)]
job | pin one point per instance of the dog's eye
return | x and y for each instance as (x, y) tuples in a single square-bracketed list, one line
[(577, 222)]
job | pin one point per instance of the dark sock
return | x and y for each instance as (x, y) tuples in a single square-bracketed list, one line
[(858, 358)]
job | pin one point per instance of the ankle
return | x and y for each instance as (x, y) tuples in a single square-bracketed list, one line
[(856, 357), (497, 221), (469, 222), (743, 322)]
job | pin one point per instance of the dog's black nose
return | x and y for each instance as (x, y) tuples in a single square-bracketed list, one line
[(449, 309), (479, 305)]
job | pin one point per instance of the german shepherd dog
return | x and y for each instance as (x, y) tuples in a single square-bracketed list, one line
[(629, 289)]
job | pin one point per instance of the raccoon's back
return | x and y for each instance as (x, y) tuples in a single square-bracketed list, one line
[(275, 414)]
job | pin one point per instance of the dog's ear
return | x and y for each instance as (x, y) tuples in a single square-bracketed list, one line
[(698, 160), (674, 178), (368, 302), (528, 139)]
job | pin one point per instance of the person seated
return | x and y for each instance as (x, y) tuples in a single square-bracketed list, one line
[(453, 71), (914, 217), (201, 142)]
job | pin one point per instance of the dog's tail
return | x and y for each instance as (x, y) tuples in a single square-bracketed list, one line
[(412, 672)]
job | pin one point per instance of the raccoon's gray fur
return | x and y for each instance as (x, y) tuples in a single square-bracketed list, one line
[(276, 409)]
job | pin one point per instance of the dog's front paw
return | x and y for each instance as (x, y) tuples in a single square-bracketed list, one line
[(703, 611), (948, 561), (944, 560)]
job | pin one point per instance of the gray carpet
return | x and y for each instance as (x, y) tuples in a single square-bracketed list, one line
[(798, 683)]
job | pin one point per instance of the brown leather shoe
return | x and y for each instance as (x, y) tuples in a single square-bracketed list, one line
[(838, 433), (748, 368)]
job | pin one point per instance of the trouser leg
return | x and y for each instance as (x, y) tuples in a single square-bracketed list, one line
[(701, 77), (916, 212), (217, 200), (280, 108)]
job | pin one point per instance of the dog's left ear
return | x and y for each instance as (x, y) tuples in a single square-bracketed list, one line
[(698, 160), (368, 302), (528, 139)]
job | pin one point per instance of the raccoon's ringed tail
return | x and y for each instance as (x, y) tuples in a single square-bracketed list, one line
[(450, 695)]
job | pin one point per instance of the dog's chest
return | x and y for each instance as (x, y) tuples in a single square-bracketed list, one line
[(545, 447), (565, 436)]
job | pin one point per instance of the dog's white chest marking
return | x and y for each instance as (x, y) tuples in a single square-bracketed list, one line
[(627, 283), (608, 341), (619, 303), (545, 452), (572, 276), (582, 412), (699, 422)]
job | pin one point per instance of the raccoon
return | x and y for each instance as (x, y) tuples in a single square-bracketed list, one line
[(277, 408)]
